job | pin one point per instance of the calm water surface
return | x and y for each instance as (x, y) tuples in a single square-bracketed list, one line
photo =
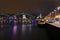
[(22, 32)]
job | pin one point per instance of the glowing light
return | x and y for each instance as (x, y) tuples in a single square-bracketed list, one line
[(58, 8), (14, 32), (52, 11), (24, 16), (14, 29), (46, 20), (11, 20), (58, 16), (40, 16), (34, 21)]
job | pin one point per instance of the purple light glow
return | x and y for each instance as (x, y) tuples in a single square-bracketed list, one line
[(14, 32), (14, 29)]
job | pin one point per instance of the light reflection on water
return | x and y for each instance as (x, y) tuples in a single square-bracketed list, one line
[(14, 29), (29, 27), (22, 32), (26, 27), (23, 28), (14, 32)]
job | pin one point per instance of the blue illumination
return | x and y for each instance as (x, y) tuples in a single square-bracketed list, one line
[(11, 21), (34, 20)]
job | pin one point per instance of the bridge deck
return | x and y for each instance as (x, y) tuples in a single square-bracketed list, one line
[(55, 24)]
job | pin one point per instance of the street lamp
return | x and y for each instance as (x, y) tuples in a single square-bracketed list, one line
[(58, 8)]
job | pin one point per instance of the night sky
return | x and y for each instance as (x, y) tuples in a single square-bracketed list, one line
[(31, 6)]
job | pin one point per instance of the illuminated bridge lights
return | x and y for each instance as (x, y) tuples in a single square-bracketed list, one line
[(57, 16)]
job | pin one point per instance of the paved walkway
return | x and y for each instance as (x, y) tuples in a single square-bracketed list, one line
[(55, 24)]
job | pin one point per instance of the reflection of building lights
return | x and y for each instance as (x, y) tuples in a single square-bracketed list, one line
[(14, 32), (23, 28), (14, 29)]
